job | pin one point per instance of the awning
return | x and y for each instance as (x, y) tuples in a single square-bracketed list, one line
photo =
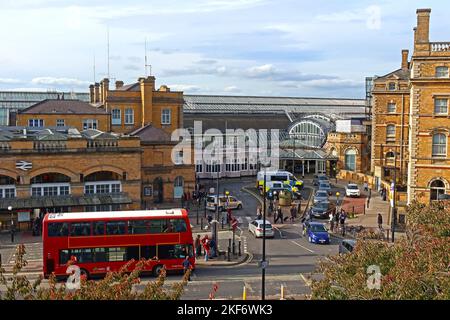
[(65, 201)]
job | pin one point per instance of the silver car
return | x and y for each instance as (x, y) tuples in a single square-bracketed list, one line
[(346, 246), (325, 186), (321, 196)]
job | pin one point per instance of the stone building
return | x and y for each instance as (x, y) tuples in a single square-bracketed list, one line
[(410, 125), (136, 105), (64, 169)]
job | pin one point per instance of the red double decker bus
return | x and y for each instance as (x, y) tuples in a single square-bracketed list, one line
[(105, 241)]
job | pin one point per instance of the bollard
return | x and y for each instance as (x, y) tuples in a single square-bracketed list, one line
[(282, 293), (229, 254), (240, 248), (201, 226), (244, 293), (234, 249)]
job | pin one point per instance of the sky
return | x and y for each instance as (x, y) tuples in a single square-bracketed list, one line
[(321, 48)]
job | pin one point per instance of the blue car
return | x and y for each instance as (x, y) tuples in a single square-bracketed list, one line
[(317, 233)]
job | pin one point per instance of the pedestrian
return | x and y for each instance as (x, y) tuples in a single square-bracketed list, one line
[(368, 202), (380, 221), (229, 216), (271, 206), (205, 243), (258, 213), (198, 246), (342, 218), (212, 246), (279, 215), (366, 186), (331, 216), (293, 213), (187, 267)]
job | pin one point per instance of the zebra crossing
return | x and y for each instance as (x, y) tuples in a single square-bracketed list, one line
[(244, 221)]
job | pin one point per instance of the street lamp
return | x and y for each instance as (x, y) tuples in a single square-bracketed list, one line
[(263, 262), (12, 223)]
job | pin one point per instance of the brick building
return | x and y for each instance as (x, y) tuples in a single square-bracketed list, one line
[(63, 169), (411, 119)]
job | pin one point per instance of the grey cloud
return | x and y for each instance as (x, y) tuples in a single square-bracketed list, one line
[(132, 67)]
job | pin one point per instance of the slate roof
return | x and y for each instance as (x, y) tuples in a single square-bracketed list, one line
[(402, 74), (63, 107), (149, 133)]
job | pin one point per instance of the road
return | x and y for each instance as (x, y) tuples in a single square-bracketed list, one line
[(291, 258)]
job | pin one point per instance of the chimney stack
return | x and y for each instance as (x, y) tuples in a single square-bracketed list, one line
[(405, 63), (119, 84), (91, 93), (96, 92), (422, 34)]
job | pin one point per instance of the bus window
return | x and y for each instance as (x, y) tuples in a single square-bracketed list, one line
[(99, 228), (115, 227), (80, 229), (148, 252), (167, 226), (137, 227), (116, 254), (100, 255), (177, 251), (179, 225), (133, 253), (82, 255), (64, 257), (58, 229), (155, 226)]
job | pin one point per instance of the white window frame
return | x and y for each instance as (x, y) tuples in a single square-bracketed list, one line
[(97, 183), (389, 110), (440, 74), (129, 117), (5, 187), (114, 120), (391, 137), (36, 123), (41, 187), (440, 145), (89, 124), (58, 122), (440, 106), (166, 116)]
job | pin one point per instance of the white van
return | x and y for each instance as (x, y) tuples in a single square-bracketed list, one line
[(273, 176)]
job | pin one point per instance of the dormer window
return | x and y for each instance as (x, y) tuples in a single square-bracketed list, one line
[(442, 72), (392, 86)]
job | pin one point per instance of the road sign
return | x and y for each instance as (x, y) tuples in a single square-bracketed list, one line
[(263, 264), (234, 224)]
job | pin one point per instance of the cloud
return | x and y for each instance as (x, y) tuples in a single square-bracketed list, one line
[(59, 81), (270, 72), (370, 15), (329, 84), (232, 89), (185, 87), (132, 67), (9, 81)]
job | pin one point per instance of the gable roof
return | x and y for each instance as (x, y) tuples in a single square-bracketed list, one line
[(130, 87), (64, 107), (149, 133), (400, 74)]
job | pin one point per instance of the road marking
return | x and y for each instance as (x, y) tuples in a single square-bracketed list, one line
[(281, 234), (307, 282), (298, 244)]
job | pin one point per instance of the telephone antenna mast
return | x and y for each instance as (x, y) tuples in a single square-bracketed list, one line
[(147, 66), (107, 35)]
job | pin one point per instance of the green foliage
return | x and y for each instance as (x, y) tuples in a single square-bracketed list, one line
[(415, 267), (119, 285)]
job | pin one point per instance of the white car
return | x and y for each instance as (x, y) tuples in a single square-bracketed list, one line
[(256, 227), (352, 190)]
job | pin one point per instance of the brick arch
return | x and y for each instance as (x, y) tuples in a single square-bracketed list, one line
[(73, 176), (350, 148), (446, 183), (9, 173), (94, 169)]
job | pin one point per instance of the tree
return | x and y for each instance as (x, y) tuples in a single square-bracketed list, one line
[(415, 267), (119, 285)]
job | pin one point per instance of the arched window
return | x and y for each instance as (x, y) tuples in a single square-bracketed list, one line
[(7, 187), (390, 158), (437, 187), (439, 145), (350, 160), (178, 187), (390, 132)]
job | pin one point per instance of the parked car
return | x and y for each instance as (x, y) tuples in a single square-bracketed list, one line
[(347, 246), (325, 186), (317, 233), (321, 209), (321, 196), (352, 190), (225, 202), (318, 178), (256, 227)]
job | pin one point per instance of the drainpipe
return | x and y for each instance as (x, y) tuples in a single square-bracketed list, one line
[(401, 138)]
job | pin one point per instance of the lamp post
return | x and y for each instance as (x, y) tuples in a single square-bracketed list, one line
[(394, 209), (12, 223), (263, 262)]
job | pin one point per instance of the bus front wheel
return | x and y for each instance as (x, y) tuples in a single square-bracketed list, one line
[(157, 270)]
